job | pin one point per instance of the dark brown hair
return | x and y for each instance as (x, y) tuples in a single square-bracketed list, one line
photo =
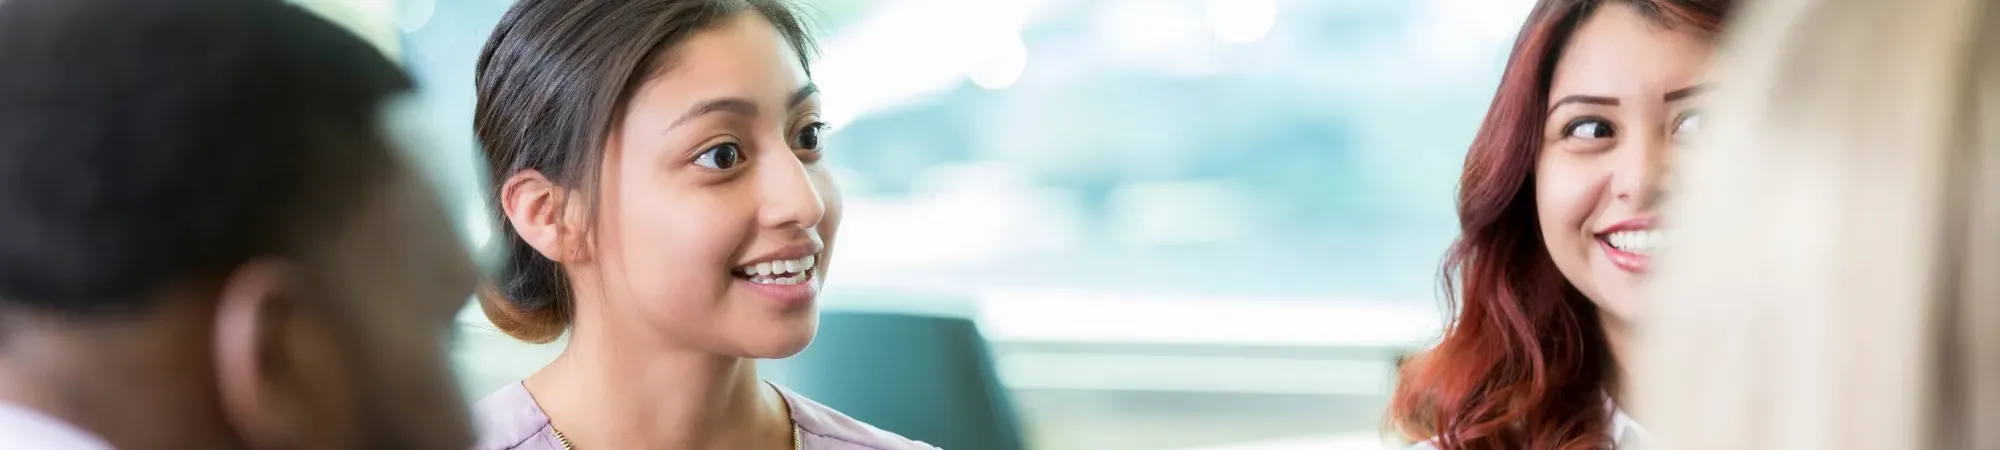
[(552, 81), (1525, 365)]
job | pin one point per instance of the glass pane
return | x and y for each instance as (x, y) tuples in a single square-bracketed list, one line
[(1247, 198)]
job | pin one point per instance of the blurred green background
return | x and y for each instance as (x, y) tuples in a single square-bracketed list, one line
[(1167, 224)]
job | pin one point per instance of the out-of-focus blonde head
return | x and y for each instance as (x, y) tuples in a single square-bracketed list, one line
[(1835, 282)]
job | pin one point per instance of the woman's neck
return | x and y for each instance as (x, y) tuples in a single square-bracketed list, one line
[(1617, 337), (623, 387)]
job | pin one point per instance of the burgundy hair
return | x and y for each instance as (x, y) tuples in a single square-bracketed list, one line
[(1525, 365)]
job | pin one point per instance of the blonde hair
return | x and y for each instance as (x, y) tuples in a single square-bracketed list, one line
[(1839, 282)]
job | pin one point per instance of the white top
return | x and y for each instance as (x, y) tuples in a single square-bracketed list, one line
[(1623, 430), (25, 428)]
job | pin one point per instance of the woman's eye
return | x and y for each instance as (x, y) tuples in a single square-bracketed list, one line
[(808, 138), (1689, 124), (720, 157), (1589, 128)]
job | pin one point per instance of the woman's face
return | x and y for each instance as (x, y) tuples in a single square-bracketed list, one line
[(1625, 93), (716, 217)]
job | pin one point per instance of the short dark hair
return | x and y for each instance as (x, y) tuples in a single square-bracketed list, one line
[(149, 143), (553, 79)]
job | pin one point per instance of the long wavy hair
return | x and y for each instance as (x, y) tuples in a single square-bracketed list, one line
[(1525, 365)]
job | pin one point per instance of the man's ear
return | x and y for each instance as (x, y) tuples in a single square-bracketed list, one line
[(540, 212), (261, 366)]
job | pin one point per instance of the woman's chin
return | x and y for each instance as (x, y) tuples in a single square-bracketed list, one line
[(779, 342), (1623, 303)]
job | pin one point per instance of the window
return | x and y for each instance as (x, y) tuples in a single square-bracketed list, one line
[(1180, 222)]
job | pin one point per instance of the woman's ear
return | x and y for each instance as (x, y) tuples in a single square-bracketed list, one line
[(539, 211)]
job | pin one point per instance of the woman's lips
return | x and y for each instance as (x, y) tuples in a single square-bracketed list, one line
[(1626, 260), (789, 282), (1630, 247)]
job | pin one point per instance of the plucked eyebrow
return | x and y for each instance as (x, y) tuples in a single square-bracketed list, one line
[(741, 106), (1583, 99), (1685, 92), (802, 94)]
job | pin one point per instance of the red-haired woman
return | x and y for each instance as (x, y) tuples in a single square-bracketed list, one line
[(1557, 206)]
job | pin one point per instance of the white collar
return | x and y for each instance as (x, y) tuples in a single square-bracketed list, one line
[(28, 428), (1622, 425)]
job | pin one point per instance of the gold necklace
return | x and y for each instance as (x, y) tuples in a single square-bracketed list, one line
[(797, 444)]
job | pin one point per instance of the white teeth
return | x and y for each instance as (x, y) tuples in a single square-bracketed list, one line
[(783, 281), (1635, 241), (774, 268)]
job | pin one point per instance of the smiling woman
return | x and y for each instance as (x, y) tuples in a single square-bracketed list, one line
[(657, 168), (1557, 207)]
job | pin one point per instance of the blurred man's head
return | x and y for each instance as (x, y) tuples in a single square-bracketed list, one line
[(206, 240)]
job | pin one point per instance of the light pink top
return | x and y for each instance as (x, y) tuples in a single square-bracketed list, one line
[(511, 420)]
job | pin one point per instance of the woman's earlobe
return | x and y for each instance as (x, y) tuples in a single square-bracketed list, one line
[(534, 206)]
